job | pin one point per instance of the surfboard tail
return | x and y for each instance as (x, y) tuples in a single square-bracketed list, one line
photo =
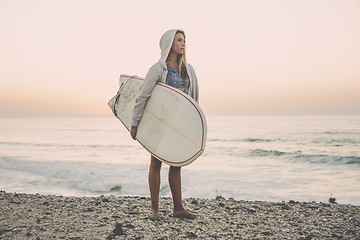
[(112, 103)]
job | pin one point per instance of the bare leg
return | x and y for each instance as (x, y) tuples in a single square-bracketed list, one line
[(175, 186), (154, 185)]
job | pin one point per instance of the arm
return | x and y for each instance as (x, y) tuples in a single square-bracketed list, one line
[(194, 83), (146, 89)]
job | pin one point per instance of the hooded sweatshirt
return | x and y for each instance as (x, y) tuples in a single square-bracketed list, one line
[(157, 73)]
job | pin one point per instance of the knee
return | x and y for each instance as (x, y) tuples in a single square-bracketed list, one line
[(155, 163), (175, 169)]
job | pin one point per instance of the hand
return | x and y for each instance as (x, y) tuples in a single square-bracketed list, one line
[(133, 132)]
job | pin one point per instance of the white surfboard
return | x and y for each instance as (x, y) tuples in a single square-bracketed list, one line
[(173, 127)]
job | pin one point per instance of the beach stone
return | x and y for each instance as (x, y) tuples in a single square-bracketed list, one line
[(191, 235), (129, 226), (118, 231)]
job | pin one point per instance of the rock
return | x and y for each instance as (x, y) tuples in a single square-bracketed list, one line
[(89, 209), (118, 231), (129, 226), (194, 201), (221, 204), (332, 200), (309, 237), (191, 235)]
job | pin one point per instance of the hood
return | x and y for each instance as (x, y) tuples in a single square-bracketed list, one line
[(166, 42)]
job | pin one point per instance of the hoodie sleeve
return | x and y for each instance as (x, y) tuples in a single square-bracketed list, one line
[(194, 83), (151, 78)]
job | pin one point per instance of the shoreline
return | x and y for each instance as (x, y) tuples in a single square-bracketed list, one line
[(35, 216)]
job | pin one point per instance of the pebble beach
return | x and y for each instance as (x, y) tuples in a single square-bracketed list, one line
[(35, 216)]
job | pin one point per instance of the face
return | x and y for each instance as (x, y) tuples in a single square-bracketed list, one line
[(178, 46)]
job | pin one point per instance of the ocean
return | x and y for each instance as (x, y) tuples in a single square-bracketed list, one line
[(262, 158)]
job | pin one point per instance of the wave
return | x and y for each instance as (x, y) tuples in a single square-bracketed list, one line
[(258, 140), (265, 153), (63, 145), (79, 178), (311, 158), (241, 140), (340, 133), (336, 142), (320, 140)]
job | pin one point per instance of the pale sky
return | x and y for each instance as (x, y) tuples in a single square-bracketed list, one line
[(251, 57)]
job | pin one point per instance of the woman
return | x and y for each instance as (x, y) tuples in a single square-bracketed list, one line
[(173, 70)]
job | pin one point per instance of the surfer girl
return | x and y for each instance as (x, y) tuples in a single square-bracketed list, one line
[(171, 69)]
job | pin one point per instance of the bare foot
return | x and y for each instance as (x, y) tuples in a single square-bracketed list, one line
[(183, 214), (155, 216)]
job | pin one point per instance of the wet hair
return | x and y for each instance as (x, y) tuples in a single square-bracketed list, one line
[(181, 61)]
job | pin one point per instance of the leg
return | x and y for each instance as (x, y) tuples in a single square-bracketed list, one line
[(154, 185), (175, 186)]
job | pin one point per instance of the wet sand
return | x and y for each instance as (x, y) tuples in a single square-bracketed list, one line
[(34, 216)]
